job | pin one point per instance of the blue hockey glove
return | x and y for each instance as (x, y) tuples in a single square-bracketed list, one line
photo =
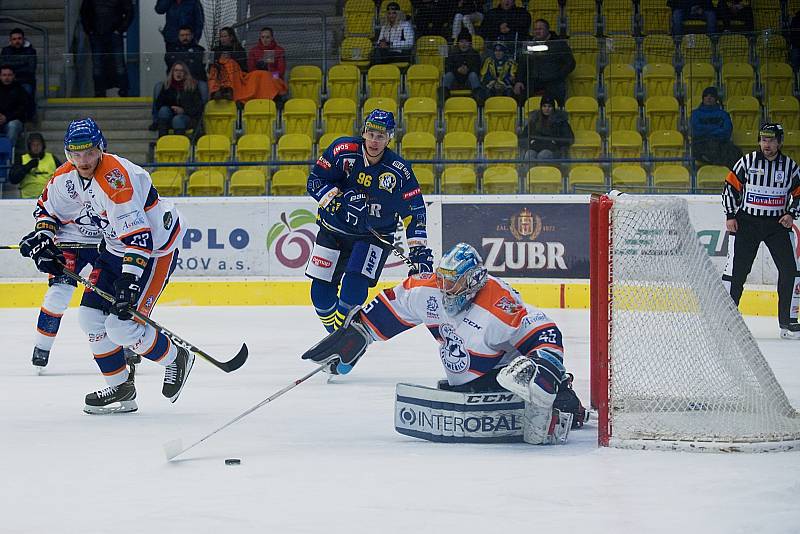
[(126, 292), (350, 208), (43, 251), (422, 258)]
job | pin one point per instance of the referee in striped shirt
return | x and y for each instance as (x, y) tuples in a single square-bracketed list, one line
[(761, 200)]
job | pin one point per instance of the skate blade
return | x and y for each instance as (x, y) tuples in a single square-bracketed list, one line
[(189, 365), (173, 448), (121, 407), (39, 369), (786, 334)]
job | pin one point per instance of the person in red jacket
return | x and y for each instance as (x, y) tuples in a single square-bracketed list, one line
[(267, 55)]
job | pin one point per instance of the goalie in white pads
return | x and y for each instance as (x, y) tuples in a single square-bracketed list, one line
[(489, 340)]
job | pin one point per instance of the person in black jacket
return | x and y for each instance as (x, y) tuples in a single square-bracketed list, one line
[(548, 134), (105, 22), (230, 46), (188, 51), (179, 103), (463, 67), (506, 22), (544, 69), (21, 55), (692, 9), (13, 105)]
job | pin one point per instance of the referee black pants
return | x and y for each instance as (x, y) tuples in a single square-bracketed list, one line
[(752, 231)]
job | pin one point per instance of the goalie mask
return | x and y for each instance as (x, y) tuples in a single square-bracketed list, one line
[(460, 276)]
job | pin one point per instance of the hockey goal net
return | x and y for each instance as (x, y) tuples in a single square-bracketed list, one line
[(673, 364)]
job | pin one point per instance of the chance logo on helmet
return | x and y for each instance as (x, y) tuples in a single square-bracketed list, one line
[(380, 121), (83, 134)]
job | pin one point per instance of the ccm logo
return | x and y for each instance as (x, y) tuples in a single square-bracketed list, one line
[(321, 262)]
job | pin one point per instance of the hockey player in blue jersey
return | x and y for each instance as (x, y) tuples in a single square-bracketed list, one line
[(361, 186)]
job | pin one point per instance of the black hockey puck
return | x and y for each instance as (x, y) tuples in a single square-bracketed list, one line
[(233, 461)]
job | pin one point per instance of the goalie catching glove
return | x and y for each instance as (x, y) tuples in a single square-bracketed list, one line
[(535, 378), (347, 344)]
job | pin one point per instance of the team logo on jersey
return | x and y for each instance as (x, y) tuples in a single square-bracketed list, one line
[(432, 306), (387, 181), (73, 194), (525, 225), (115, 179), (454, 358), (348, 164), (507, 305), (324, 163)]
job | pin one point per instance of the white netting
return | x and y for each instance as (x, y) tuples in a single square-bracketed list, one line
[(684, 369)]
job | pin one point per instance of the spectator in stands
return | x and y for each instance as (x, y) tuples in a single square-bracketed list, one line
[(187, 50), (431, 17), (33, 169), (794, 41), (462, 68), (179, 104), (730, 10), (396, 38), (181, 13), (230, 47), (506, 22), (468, 13), (692, 9), (105, 22), (267, 55), (547, 135), (498, 73), (13, 105), (21, 55), (711, 129), (545, 66)]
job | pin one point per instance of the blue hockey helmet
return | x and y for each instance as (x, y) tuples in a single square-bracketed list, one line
[(83, 134), (380, 121), (459, 276)]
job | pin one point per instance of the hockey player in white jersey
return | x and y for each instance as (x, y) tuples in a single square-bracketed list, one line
[(141, 233), (489, 340)]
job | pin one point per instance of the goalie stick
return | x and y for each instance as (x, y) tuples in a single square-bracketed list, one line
[(231, 365), (395, 249), (174, 448)]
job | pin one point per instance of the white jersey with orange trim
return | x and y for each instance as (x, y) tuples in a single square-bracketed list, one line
[(496, 328), (121, 201)]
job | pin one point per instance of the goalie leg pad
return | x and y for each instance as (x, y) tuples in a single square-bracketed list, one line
[(543, 426), (348, 343)]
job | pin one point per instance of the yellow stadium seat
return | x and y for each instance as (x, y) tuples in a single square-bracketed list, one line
[(168, 182), (339, 115), (582, 80), (213, 148), (791, 144), (620, 49), (785, 110), (733, 47), (300, 117), (289, 181), (173, 149), (206, 182), (620, 79), (767, 13), (658, 79), (584, 49), (419, 145), (656, 16), (579, 18), (696, 47), (460, 114), (355, 51), (548, 10), (422, 81), (500, 180), (777, 79), (431, 50), (459, 181), (583, 112), (662, 113), (737, 79), (252, 147), (219, 117), (696, 77), (544, 179), (665, 144), (617, 16), (629, 177), (746, 140), (259, 117), (587, 145), (771, 47), (658, 49), (344, 81), (327, 140), (672, 179), (624, 144), (459, 145), (711, 178), (425, 180), (501, 145), (359, 18), (249, 182), (305, 81), (745, 112), (378, 102), (383, 81), (622, 113), (294, 147), (583, 177), (419, 114), (500, 114), (531, 104)]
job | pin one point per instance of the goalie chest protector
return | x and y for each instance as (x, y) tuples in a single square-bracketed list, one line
[(454, 417)]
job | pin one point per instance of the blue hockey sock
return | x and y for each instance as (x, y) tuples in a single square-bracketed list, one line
[(325, 299), (354, 292)]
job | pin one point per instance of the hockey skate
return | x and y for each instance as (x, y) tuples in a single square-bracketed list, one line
[(40, 358), (113, 399), (790, 331), (176, 373)]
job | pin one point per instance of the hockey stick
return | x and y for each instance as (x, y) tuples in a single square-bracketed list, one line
[(175, 448), (59, 245), (231, 365), (395, 249)]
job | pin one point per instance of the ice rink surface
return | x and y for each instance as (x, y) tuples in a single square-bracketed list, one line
[(325, 457)]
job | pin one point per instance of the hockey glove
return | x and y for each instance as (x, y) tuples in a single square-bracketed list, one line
[(347, 344), (126, 293), (350, 209), (422, 258), (536, 377), (43, 251)]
